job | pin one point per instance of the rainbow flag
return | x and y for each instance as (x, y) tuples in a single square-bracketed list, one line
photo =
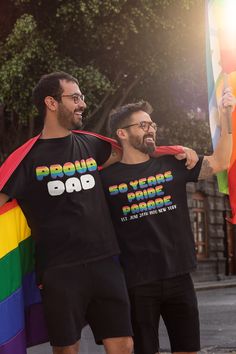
[(21, 316), (221, 60)]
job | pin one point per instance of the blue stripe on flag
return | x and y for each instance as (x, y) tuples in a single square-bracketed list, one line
[(11, 316)]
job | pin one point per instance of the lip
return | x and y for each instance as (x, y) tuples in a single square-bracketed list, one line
[(149, 139), (78, 114)]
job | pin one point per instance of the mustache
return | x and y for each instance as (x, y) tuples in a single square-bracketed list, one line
[(79, 110), (150, 135)]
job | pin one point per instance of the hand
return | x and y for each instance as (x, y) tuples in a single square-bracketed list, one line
[(227, 100), (191, 157)]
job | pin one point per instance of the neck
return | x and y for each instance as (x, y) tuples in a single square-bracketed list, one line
[(133, 156), (52, 129)]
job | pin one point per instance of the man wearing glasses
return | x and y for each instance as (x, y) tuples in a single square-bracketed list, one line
[(148, 203), (58, 187)]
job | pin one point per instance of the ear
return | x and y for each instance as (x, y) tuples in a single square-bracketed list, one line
[(51, 103), (121, 133)]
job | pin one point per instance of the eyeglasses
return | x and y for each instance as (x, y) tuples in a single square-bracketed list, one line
[(76, 97), (143, 125)]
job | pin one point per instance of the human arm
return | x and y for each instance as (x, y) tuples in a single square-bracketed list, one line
[(190, 155), (115, 156), (3, 198), (220, 159), (180, 152)]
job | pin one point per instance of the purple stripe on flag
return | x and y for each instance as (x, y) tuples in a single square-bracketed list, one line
[(36, 331), (23, 309), (15, 345), (30, 290)]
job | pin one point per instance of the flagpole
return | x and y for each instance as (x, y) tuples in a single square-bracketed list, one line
[(228, 109)]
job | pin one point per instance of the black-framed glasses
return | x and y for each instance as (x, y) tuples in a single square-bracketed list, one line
[(143, 125), (76, 97)]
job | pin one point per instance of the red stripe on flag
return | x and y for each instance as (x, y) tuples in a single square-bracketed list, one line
[(232, 168), (228, 61), (8, 206), (227, 52)]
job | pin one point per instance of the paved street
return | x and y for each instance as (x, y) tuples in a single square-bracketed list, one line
[(218, 326), (218, 319)]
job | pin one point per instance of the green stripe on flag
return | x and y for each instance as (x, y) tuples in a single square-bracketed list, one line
[(14, 266), (222, 178)]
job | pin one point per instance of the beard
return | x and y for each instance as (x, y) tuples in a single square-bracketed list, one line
[(145, 145), (68, 119)]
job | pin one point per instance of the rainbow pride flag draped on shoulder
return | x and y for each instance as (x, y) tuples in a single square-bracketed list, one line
[(221, 60), (21, 320), (21, 315)]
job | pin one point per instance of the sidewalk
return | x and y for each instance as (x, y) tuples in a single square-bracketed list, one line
[(212, 350), (88, 345), (228, 282)]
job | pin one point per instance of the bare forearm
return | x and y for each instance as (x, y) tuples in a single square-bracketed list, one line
[(220, 159), (224, 147)]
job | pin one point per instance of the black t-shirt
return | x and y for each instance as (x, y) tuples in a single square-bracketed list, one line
[(59, 190), (148, 203)]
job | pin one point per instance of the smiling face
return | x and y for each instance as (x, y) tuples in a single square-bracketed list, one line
[(69, 113), (141, 132)]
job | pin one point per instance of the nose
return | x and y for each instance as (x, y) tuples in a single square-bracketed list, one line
[(82, 104), (151, 128)]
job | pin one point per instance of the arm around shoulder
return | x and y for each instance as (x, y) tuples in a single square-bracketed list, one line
[(115, 156)]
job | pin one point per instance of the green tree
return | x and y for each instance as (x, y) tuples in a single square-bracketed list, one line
[(119, 50), (193, 131)]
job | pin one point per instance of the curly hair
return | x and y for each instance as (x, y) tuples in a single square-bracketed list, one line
[(49, 85)]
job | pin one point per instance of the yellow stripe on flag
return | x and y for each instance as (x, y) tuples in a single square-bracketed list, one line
[(13, 229)]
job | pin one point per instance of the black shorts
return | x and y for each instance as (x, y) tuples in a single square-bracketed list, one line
[(175, 300), (93, 293)]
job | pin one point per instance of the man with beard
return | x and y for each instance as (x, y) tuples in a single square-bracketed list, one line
[(148, 203), (58, 187)]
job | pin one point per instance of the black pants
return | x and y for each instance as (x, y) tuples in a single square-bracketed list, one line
[(93, 293), (175, 300)]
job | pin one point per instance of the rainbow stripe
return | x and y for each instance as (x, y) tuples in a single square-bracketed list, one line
[(221, 59), (21, 319)]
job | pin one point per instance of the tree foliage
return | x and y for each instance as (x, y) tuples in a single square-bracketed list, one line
[(192, 132), (119, 50)]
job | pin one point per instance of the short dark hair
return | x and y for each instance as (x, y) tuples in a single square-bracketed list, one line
[(49, 85), (120, 116)]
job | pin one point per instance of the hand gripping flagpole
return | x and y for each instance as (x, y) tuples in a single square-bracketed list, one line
[(228, 109)]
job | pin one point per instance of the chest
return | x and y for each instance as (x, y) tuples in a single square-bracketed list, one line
[(143, 191), (55, 169)]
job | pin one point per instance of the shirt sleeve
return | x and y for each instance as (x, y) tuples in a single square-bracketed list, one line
[(102, 149), (16, 185), (193, 174)]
